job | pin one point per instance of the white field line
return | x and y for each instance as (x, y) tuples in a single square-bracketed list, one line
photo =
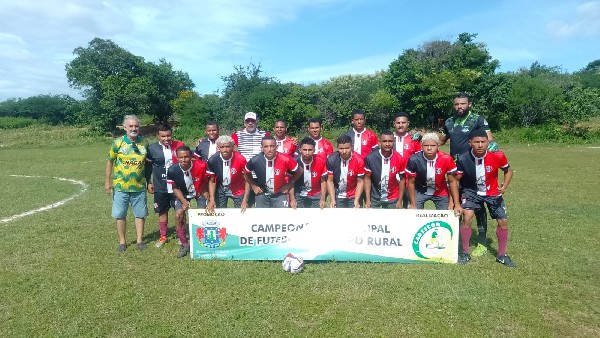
[(82, 184)]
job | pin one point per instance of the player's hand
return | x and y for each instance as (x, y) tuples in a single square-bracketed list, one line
[(399, 204), (356, 204), (501, 189), (294, 140), (493, 147), (286, 187), (150, 188), (108, 188), (210, 207), (322, 204), (293, 204), (332, 203), (416, 136), (257, 190), (244, 206), (414, 207), (185, 205), (458, 210), (198, 142), (367, 204)]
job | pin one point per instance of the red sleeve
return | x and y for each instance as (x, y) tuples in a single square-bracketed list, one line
[(361, 165), (235, 138), (416, 146)]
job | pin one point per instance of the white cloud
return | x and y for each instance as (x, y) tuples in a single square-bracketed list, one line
[(584, 21)]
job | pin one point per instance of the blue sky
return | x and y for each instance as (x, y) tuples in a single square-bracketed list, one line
[(303, 41)]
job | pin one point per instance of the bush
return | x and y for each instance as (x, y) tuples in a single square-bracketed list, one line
[(16, 122)]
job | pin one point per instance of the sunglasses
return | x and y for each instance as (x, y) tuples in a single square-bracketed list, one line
[(135, 148)]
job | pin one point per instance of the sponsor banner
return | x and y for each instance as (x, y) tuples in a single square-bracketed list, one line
[(373, 235)]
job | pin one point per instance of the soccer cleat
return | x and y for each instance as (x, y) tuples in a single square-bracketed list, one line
[(121, 248), (141, 246), (160, 242), (463, 258), (505, 260), (480, 250), (183, 251)]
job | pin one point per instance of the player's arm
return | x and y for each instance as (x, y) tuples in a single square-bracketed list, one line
[(292, 198), (290, 184), (401, 186), (323, 191), (108, 176), (508, 173), (411, 192), (331, 191), (179, 195), (212, 188), (244, 204), (250, 180), (454, 194), (359, 190)]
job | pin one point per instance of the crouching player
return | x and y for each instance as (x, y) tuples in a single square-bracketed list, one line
[(427, 171), (478, 173), (189, 180)]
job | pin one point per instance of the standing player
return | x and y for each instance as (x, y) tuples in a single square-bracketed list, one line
[(125, 176), (162, 156), (363, 139), (427, 172), (270, 169), (322, 145), (311, 189), (189, 179), (384, 175), (478, 173), (285, 145), (226, 179), (207, 146), (345, 173), (458, 130), (405, 144)]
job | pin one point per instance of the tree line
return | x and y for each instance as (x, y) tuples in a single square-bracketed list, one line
[(421, 81)]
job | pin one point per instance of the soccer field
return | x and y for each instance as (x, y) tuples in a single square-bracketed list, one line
[(61, 275)]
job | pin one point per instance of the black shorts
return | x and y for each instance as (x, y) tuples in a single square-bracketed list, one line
[(495, 204), (162, 201)]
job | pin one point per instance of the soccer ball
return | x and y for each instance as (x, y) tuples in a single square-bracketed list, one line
[(292, 263)]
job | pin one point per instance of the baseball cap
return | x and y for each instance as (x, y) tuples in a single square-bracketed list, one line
[(250, 116)]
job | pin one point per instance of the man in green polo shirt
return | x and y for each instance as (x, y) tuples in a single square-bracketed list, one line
[(125, 177)]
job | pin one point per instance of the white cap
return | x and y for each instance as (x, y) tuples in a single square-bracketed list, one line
[(250, 115)]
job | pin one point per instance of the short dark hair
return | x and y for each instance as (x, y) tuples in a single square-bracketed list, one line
[(164, 127), (358, 111), (307, 140), (387, 133), (479, 132), (211, 123), (314, 120), (401, 114), (344, 139), (279, 120), (267, 138), (183, 148), (462, 95)]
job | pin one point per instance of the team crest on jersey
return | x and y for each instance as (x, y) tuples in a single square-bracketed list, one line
[(277, 172), (233, 171), (406, 146), (465, 129), (438, 171), (488, 169), (364, 142), (350, 172), (313, 174), (210, 234), (392, 170)]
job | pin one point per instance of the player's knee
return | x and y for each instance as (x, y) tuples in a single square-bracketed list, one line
[(502, 223)]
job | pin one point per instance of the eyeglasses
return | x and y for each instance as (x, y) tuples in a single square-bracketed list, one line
[(250, 121), (135, 148)]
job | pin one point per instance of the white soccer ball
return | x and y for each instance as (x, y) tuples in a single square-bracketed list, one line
[(292, 263)]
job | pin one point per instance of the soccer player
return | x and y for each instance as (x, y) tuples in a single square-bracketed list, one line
[(162, 156), (427, 171), (345, 173), (322, 145), (226, 176), (285, 145), (405, 144), (458, 129), (189, 179), (207, 146), (363, 139), (478, 173), (384, 175), (270, 168), (125, 176), (248, 140), (311, 190)]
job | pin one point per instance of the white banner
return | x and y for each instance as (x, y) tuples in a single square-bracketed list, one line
[(375, 235)]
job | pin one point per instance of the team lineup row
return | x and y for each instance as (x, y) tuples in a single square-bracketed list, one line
[(395, 170)]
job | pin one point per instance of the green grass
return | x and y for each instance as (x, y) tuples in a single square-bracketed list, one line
[(60, 274)]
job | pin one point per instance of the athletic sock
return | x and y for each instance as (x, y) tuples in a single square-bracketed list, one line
[(181, 235), (481, 217), (162, 227), (502, 239), (465, 237)]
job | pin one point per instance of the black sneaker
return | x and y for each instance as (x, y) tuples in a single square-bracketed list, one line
[(463, 258), (505, 260), (183, 251), (141, 246), (121, 248)]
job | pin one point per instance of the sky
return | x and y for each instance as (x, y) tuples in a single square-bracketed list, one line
[(301, 41)]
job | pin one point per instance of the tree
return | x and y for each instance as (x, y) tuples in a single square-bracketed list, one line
[(116, 82), (52, 109), (423, 80)]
